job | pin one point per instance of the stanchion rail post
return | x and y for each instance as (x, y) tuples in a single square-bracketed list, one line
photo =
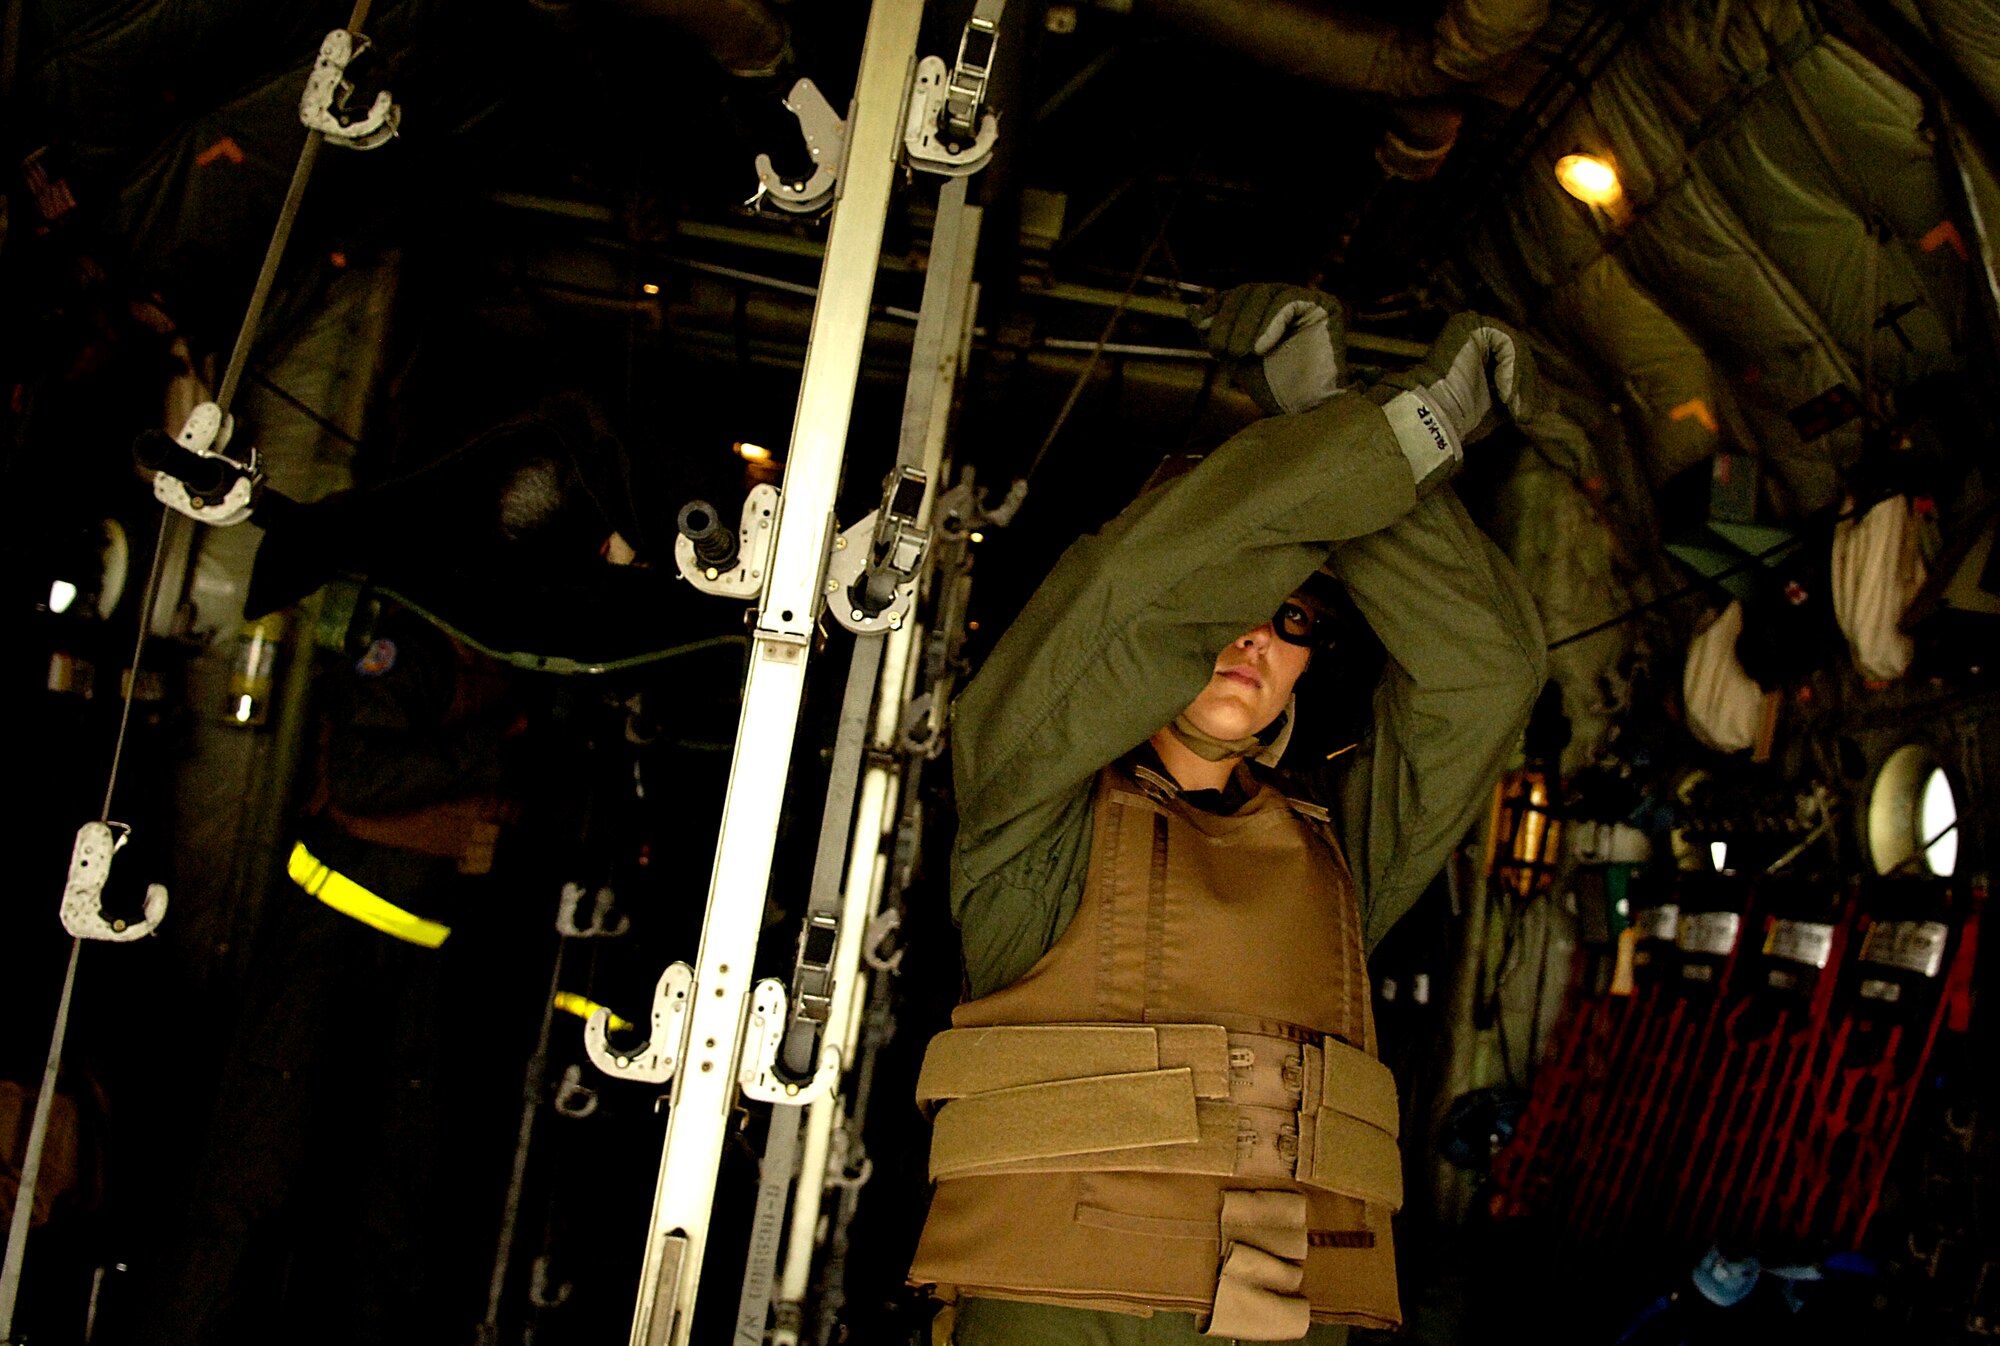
[(943, 318), (705, 1086)]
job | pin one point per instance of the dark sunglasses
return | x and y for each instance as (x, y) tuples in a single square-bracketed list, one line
[(1297, 624)]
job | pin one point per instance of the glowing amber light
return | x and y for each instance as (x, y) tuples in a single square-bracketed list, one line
[(753, 453), (1534, 823), (1588, 178), (1526, 833)]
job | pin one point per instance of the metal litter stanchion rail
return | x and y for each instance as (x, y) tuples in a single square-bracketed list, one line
[(705, 1085)]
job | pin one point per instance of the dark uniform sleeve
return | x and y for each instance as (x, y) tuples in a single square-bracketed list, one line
[(393, 745)]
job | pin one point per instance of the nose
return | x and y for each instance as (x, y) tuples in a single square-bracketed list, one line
[(1257, 638)]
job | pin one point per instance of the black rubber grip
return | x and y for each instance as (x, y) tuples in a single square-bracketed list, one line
[(157, 451), (715, 542)]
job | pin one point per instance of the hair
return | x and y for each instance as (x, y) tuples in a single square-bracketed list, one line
[(1336, 694), (530, 497)]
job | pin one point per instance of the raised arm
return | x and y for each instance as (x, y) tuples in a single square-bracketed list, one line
[(1124, 632), (1466, 661), (1121, 637)]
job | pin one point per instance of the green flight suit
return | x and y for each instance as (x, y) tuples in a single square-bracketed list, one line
[(1123, 635)]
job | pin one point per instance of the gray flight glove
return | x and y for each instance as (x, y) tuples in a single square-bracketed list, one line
[(1284, 341), (1454, 396)]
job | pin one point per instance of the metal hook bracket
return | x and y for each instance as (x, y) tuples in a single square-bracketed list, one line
[(604, 923), (206, 436), (826, 140), (879, 946), (758, 1075), (654, 1060), (948, 128), (574, 1098), (83, 895), (323, 105), (742, 576), (871, 575), (544, 1291), (925, 127), (848, 1165)]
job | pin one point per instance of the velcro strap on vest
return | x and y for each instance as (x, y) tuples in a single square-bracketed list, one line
[(1257, 1289), (1348, 1125), (965, 1061), (1091, 1117), (1167, 1227), (1151, 1098), (1212, 1151)]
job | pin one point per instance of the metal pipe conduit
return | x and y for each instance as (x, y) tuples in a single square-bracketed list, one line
[(781, 311)]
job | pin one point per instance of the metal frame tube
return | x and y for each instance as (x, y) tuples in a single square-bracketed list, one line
[(705, 1087), (936, 355)]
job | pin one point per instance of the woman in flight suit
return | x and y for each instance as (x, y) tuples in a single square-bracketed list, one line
[(1160, 1117)]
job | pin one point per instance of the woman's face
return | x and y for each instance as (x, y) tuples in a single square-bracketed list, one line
[(1253, 680)]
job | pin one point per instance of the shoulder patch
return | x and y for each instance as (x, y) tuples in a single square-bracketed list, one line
[(377, 659)]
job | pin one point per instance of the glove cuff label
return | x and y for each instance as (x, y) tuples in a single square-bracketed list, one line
[(1425, 437)]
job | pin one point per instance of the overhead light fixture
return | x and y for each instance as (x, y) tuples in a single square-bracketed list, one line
[(61, 594), (978, 536), (752, 453), (1589, 179), (650, 288), (1718, 856)]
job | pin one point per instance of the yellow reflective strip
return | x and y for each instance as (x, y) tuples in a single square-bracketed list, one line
[(569, 1002), (349, 898), (304, 870)]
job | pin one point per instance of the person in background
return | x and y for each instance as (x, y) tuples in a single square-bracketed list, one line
[(356, 1149)]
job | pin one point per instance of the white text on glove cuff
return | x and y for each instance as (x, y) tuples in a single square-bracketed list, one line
[(1426, 438)]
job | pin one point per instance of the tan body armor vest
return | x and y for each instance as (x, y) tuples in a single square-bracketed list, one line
[(1179, 1107)]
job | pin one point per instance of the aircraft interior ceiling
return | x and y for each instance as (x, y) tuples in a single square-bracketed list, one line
[(449, 448)]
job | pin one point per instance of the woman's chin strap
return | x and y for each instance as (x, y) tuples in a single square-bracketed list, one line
[(1264, 747), (1207, 746), (1277, 734)]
